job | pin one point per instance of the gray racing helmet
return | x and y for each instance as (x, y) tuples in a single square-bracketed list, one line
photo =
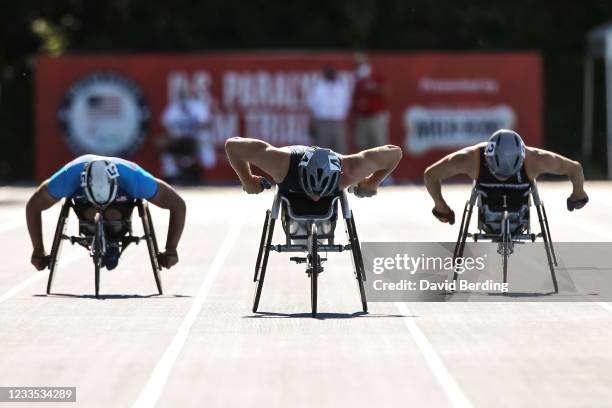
[(505, 153), (99, 180), (319, 172)]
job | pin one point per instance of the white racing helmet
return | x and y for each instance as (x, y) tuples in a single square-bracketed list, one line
[(99, 180), (505, 153)]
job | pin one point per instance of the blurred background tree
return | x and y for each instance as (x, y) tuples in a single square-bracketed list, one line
[(557, 29)]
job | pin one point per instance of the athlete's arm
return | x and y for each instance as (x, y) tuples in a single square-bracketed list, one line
[(166, 197), (464, 161), (40, 201), (242, 152), (539, 161), (369, 168)]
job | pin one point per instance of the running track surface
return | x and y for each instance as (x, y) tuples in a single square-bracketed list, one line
[(200, 345)]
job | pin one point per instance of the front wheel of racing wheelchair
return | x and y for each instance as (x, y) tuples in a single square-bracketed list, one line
[(99, 235), (309, 230), (314, 266), (511, 227)]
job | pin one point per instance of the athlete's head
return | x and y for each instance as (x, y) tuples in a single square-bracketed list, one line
[(505, 153), (319, 172), (99, 180)]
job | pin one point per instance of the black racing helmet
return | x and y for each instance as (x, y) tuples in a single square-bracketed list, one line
[(319, 172), (505, 153)]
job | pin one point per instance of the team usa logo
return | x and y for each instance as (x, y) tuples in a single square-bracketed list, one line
[(106, 114)]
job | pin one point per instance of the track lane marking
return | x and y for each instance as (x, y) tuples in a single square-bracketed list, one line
[(35, 278), (452, 390), (605, 305), (152, 390)]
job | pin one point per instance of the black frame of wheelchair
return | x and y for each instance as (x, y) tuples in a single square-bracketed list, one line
[(97, 242), (506, 238), (313, 235)]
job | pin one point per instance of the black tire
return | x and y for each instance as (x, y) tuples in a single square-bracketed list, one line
[(264, 265), (358, 247), (506, 242), (550, 243), (152, 229), (149, 230), (547, 248), (97, 253), (56, 247), (552, 268), (463, 234), (357, 260), (262, 243), (460, 236), (315, 266), (505, 260)]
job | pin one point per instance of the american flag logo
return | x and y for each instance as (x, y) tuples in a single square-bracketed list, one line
[(103, 106)]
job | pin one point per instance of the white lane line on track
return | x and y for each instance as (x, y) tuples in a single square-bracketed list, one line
[(605, 305), (150, 393), (35, 278), (455, 395)]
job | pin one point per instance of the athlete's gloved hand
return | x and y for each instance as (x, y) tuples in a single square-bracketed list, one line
[(577, 201), (168, 258), (445, 216), (254, 186), (265, 183), (363, 189), (40, 259)]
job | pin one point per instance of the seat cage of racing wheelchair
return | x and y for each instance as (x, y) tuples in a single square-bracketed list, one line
[(309, 228), (99, 234), (506, 226)]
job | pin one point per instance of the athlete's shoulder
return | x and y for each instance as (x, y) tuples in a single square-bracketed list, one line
[(294, 149), (124, 162), (469, 152), (477, 146)]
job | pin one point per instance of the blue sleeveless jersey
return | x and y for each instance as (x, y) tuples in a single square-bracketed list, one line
[(134, 181)]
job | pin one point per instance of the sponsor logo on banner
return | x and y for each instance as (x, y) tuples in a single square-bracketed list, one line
[(444, 128), (462, 85), (104, 113)]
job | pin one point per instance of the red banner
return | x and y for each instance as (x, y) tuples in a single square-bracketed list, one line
[(438, 102)]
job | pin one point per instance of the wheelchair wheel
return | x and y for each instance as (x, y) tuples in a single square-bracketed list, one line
[(56, 247), (150, 238), (97, 252), (269, 233), (463, 234), (262, 243), (506, 244), (357, 259), (548, 248), (550, 243), (314, 267), (505, 258)]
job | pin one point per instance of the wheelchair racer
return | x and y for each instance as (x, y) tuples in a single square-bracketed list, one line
[(314, 171), (109, 184), (503, 162)]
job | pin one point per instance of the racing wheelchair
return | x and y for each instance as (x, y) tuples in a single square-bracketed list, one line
[(309, 228), (100, 234), (504, 218)]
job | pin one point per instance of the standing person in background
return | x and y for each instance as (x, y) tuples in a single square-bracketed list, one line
[(329, 102), (370, 114), (187, 121)]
